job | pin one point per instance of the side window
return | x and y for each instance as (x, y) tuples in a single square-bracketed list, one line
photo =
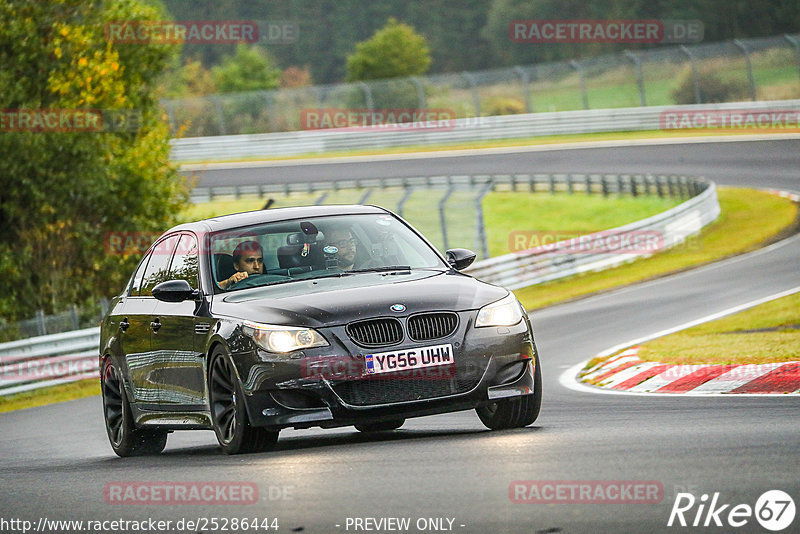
[(184, 264), (157, 270), (136, 281)]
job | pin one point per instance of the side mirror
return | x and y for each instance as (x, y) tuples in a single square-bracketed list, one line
[(175, 291), (460, 258)]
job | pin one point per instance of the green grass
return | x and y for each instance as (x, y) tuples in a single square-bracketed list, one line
[(748, 219), (49, 395), (510, 214), (730, 340)]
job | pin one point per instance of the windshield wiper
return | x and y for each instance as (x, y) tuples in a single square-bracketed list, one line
[(382, 269)]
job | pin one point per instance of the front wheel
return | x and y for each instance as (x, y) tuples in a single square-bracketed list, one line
[(515, 412), (125, 438), (228, 413)]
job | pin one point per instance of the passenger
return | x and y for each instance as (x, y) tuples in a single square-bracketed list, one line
[(342, 239), (248, 258)]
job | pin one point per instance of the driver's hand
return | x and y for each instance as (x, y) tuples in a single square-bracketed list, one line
[(237, 277)]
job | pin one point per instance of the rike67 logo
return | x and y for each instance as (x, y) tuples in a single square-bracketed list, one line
[(774, 510)]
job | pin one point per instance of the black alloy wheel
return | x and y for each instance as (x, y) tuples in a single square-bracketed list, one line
[(125, 438), (228, 414)]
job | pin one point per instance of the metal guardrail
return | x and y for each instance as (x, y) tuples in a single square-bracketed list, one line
[(463, 130), (566, 258), (59, 358), (49, 360)]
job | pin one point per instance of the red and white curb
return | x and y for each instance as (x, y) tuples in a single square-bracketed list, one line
[(628, 375), (626, 372)]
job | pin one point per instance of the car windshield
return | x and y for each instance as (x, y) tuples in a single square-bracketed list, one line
[(318, 247)]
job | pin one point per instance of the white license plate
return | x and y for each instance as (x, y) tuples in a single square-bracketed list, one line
[(404, 359)]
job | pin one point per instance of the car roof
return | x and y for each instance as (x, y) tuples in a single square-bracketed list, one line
[(250, 218)]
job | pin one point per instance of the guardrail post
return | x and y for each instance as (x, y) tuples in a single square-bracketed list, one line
[(582, 80), (587, 181), (480, 224), (40, 324), (270, 107), (526, 90), (476, 99), (749, 65), (73, 315), (604, 185), (551, 183), (406, 195), (220, 115), (620, 186), (367, 97), (637, 65), (442, 217), (796, 44), (695, 80), (365, 196), (660, 186), (170, 115), (421, 101), (570, 190), (634, 191), (671, 185)]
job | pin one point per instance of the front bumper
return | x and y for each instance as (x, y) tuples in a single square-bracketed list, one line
[(326, 386)]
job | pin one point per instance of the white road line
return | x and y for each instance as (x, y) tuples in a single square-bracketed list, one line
[(568, 378)]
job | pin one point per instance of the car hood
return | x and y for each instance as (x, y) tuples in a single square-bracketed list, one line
[(336, 301)]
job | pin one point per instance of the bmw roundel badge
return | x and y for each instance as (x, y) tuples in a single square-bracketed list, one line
[(398, 308)]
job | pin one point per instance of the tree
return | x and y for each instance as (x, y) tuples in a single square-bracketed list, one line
[(64, 192), (249, 69), (395, 50)]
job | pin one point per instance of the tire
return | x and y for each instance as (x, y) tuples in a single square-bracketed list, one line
[(516, 412), (125, 438), (380, 427), (228, 413)]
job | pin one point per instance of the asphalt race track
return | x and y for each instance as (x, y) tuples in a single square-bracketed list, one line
[(56, 460)]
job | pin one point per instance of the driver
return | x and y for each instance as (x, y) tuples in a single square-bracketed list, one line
[(248, 258)]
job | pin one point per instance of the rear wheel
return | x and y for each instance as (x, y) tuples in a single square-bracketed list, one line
[(125, 438), (228, 413), (515, 412), (380, 427)]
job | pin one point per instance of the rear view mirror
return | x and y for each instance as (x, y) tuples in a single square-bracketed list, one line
[(460, 258), (175, 291)]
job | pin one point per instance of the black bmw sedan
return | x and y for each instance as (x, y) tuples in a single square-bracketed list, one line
[(304, 317)]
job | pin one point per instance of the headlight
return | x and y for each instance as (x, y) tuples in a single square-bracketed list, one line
[(276, 338), (504, 312)]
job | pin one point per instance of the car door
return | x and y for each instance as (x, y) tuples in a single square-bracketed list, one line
[(130, 318), (144, 366), (180, 371)]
